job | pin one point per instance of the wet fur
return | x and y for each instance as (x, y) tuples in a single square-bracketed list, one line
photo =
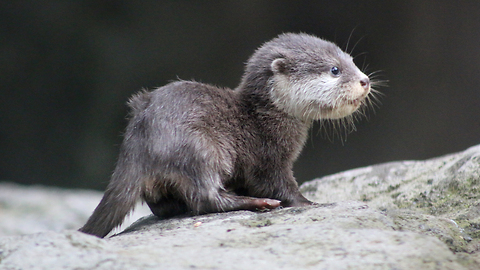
[(195, 148)]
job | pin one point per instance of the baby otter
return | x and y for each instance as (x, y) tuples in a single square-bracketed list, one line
[(194, 148)]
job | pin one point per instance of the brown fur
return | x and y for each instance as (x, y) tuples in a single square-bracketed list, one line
[(195, 148)]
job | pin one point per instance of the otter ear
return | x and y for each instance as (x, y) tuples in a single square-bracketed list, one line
[(279, 65)]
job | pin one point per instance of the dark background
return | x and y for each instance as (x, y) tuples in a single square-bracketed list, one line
[(67, 69)]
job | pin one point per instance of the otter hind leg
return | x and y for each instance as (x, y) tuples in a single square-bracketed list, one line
[(166, 208), (261, 204), (233, 202), (188, 195), (223, 201)]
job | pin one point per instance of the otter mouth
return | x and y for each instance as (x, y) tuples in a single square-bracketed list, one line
[(355, 102), (345, 108)]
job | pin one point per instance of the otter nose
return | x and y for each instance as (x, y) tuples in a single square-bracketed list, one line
[(365, 82)]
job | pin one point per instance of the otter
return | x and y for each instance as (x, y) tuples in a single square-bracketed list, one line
[(193, 148)]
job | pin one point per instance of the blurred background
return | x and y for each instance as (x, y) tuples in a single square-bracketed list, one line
[(68, 67)]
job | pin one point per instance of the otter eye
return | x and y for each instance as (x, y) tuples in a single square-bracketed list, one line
[(335, 71)]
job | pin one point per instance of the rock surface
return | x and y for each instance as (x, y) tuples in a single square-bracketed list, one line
[(401, 215), (30, 209), (418, 195)]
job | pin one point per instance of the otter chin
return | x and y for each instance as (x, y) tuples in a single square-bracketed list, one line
[(193, 148)]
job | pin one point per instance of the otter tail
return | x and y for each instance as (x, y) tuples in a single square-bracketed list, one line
[(118, 201), (126, 185)]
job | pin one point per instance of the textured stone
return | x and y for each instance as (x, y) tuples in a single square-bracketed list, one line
[(31, 209), (400, 215), (347, 235)]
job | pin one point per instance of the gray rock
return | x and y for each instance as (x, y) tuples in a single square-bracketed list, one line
[(439, 197), (30, 209), (347, 235), (401, 215)]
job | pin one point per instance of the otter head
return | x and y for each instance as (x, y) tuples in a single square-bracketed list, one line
[(311, 78)]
